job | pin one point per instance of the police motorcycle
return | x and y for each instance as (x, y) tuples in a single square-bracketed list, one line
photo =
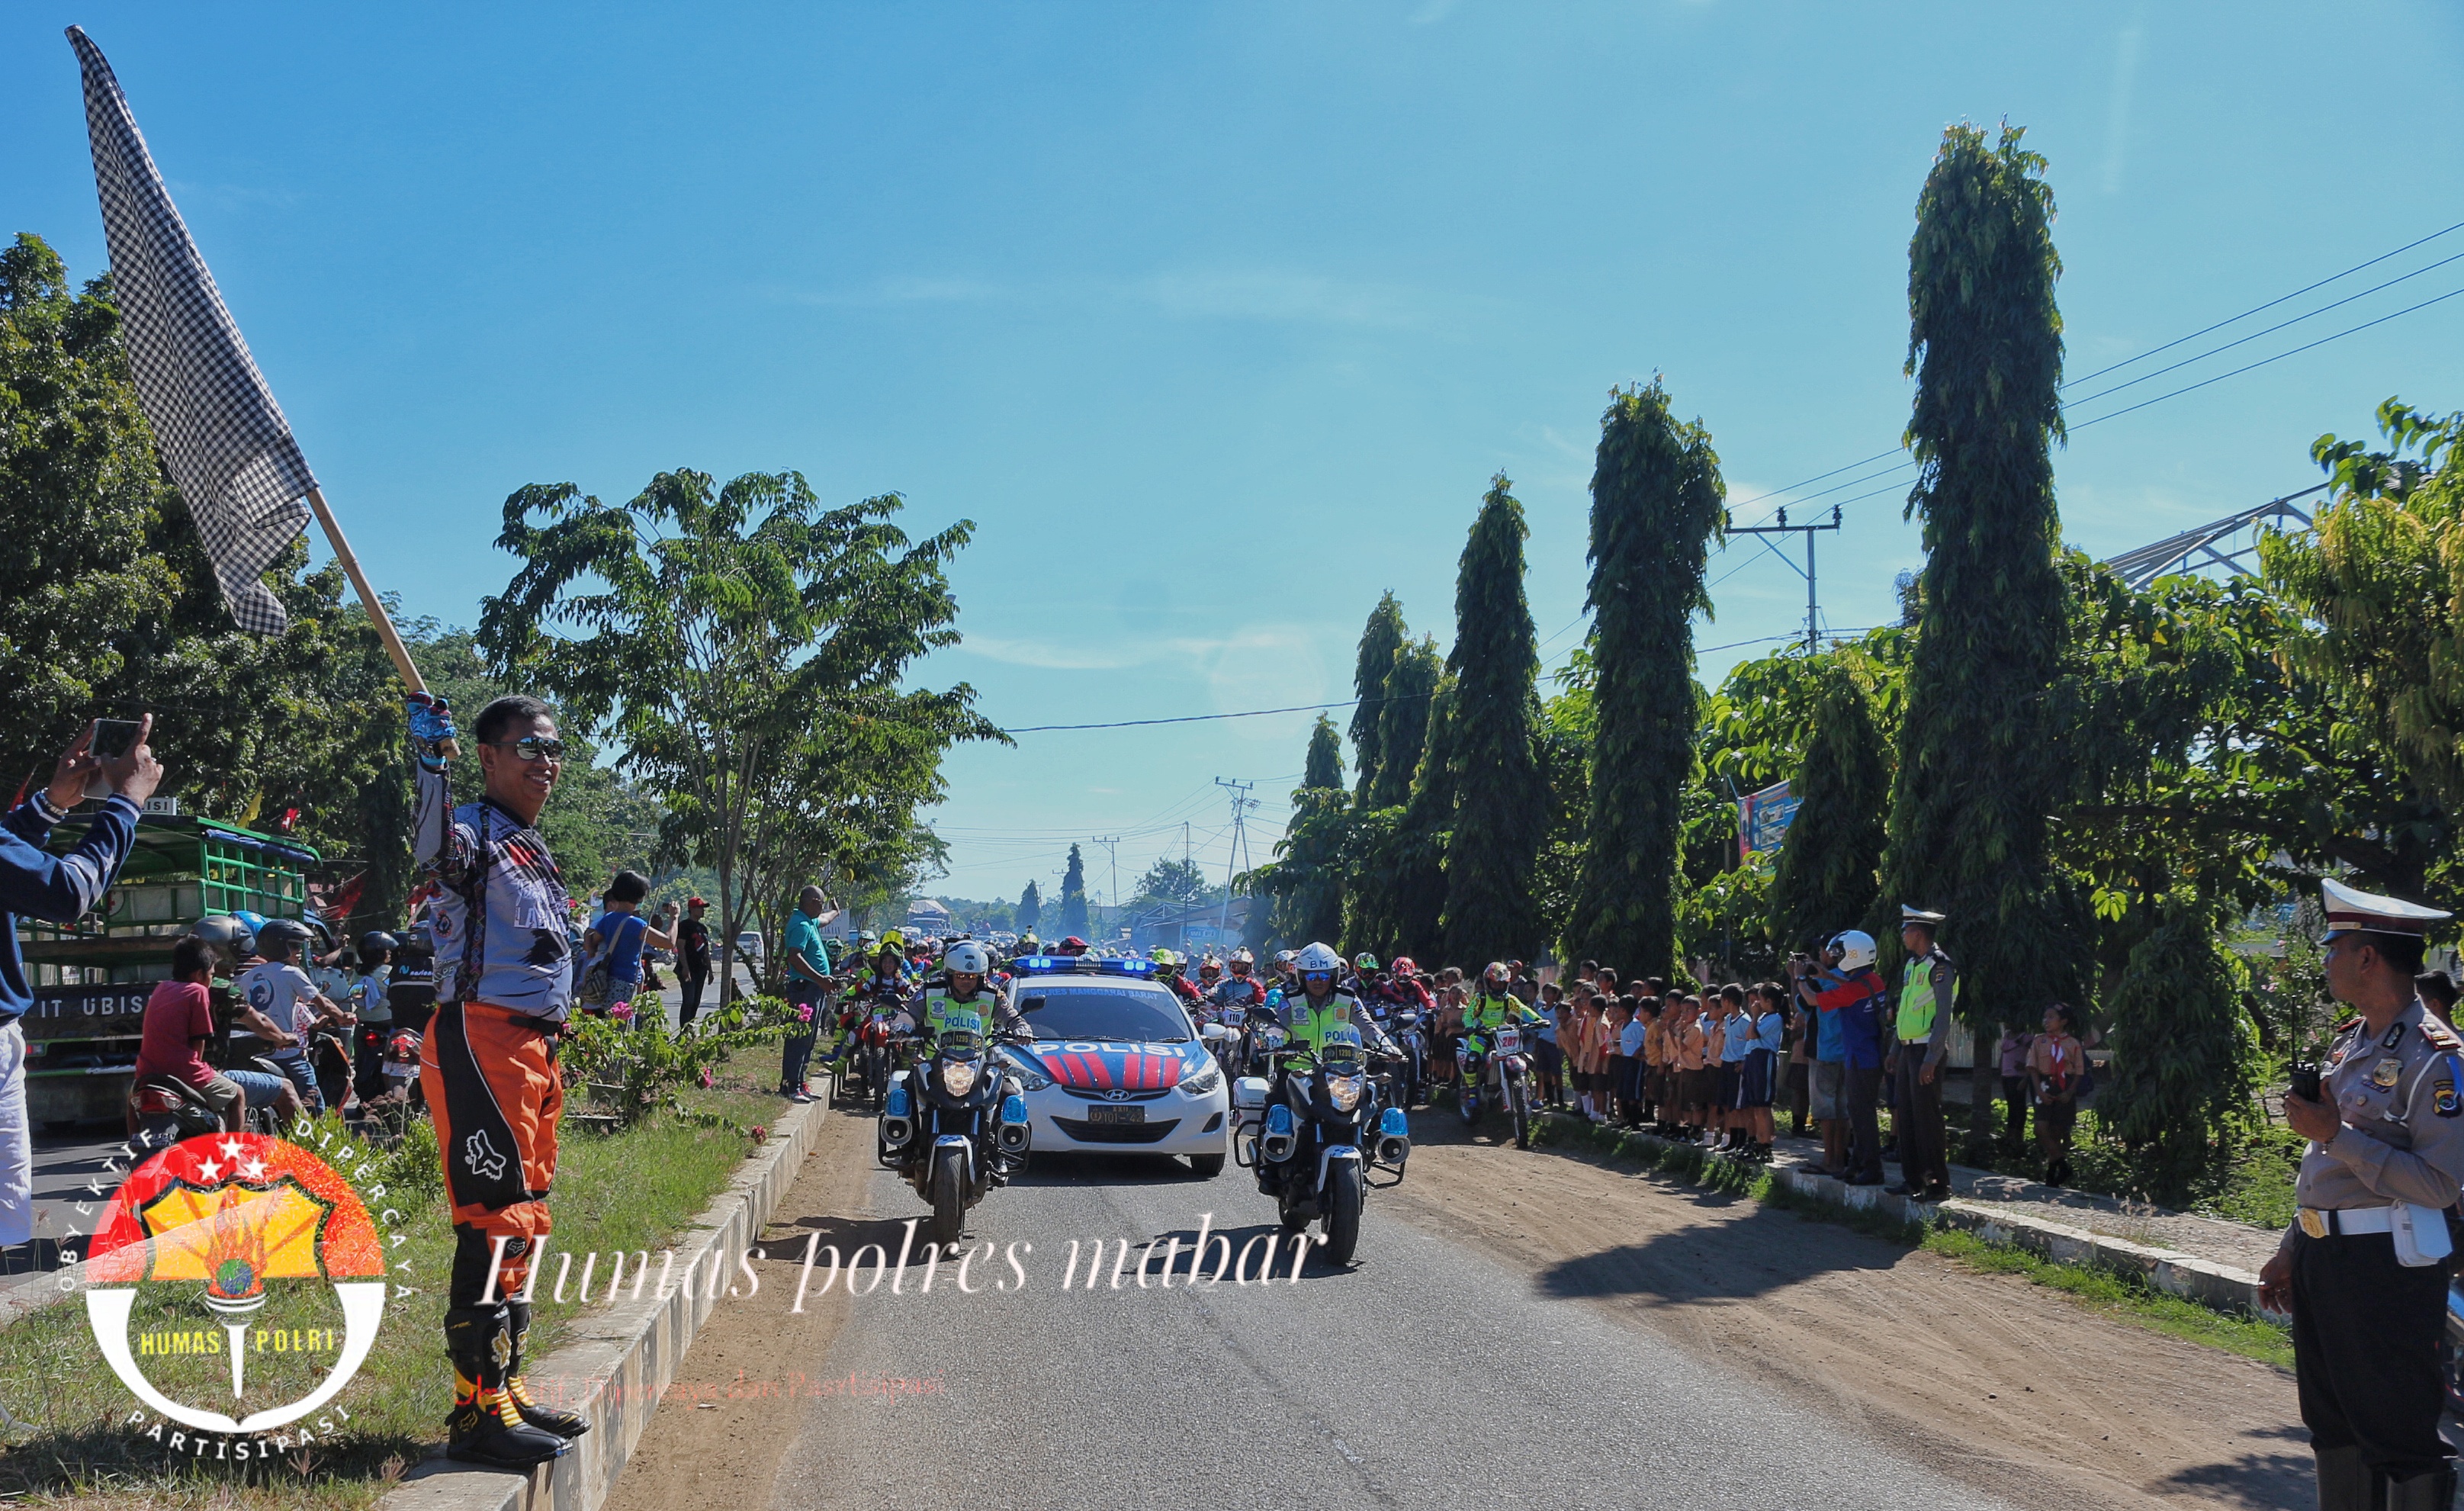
[(1261, 1035), (954, 1123), (1499, 1075), (1307, 1144)]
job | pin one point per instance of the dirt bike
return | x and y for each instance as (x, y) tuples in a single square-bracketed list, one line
[(1501, 1071)]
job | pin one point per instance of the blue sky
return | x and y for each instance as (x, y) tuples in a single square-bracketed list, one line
[(1217, 319)]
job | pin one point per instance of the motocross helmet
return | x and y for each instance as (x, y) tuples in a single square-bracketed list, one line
[(1072, 946), (1365, 962), (1404, 966), (1166, 961), (1241, 960), (1209, 969)]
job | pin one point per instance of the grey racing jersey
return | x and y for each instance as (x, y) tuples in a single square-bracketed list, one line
[(500, 917)]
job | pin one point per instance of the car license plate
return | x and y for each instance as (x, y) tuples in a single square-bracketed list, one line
[(1103, 1114)]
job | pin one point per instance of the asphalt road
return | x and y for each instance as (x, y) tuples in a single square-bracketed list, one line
[(1426, 1374)]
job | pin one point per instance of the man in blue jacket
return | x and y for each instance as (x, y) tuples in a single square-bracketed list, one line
[(58, 889), (1847, 991)]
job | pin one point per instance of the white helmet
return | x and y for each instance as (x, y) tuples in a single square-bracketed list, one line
[(966, 958), (1318, 956), (1855, 948)]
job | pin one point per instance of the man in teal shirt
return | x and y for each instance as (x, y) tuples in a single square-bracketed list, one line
[(808, 974)]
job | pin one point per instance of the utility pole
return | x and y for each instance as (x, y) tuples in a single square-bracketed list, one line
[(1813, 611), (1113, 844), (1241, 804)]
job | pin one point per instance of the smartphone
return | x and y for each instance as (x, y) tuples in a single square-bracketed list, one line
[(2305, 1083), (112, 737)]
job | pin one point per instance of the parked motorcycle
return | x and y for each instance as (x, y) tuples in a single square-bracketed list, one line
[(1305, 1143), (954, 1127), (1501, 1077)]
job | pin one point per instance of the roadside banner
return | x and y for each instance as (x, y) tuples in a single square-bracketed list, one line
[(1763, 818)]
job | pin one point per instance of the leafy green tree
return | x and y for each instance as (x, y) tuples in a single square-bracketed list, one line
[(2183, 1046), (1657, 504), (2379, 580), (1379, 641), (1502, 796), (1305, 880), (1403, 720), (108, 607), (1976, 776), (711, 632), (1828, 874), (1171, 880), (1073, 895), (1030, 909)]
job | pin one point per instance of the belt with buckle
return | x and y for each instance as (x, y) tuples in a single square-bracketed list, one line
[(2318, 1222)]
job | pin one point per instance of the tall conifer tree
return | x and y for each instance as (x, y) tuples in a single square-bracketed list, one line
[(1829, 869), (1073, 895), (1403, 720), (1974, 784), (1307, 872), (1657, 504), (1502, 797), (1418, 867), (1323, 766), (1379, 639), (1030, 909)]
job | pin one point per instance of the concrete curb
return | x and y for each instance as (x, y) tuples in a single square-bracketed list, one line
[(619, 1360), (2223, 1287)]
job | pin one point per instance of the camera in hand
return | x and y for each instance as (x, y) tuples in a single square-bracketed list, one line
[(2305, 1083)]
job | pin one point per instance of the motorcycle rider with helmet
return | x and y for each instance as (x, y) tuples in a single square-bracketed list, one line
[(371, 1005), (1313, 1013), (1492, 1007), (1168, 968), (278, 989), (1233, 996)]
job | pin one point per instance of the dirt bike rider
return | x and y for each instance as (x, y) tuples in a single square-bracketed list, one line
[(1233, 996), (1168, 970), (1320, 1010), (1492, 1007)]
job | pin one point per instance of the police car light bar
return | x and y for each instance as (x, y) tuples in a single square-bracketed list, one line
[(1081, 965)]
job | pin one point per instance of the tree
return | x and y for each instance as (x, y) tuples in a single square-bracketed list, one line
[(1379, 641), (1502, 797), (1976, 775), (1403, 722), (1305, 880), (2379, 581), (1656, 503), (1173, 880), (1073, 895), (108, 607), (1417, 859), (2181, 1050), (1030, 909), (715, 629), (1828, 875)]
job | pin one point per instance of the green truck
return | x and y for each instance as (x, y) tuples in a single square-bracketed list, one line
[(91, 978)]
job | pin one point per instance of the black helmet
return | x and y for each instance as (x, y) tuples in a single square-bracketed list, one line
[(377, 939), (279, 935)]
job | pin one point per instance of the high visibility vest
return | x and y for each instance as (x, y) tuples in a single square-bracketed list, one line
[(943, 1011), (1916, 1006)]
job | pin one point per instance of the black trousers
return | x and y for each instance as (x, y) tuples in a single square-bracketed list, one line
[(1918, 1120), (2366, 1333), (1864, 1084), (2014, 1110), (689, 989)]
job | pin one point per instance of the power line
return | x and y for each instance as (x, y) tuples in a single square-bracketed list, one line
[(1194, 719)]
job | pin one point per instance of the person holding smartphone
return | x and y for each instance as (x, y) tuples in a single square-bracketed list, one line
[(58, 889)]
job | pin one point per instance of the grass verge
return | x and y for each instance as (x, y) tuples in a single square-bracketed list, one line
[(2125, 1297), (632, 1189)]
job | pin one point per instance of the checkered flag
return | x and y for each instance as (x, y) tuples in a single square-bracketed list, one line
[(221, 434)]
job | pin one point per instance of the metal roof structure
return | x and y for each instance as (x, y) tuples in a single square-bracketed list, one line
[(2211, 546)]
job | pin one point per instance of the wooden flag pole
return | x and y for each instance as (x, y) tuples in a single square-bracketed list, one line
[(369, 600)]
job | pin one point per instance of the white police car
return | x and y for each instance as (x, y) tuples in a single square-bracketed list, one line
[(1116, 1066)]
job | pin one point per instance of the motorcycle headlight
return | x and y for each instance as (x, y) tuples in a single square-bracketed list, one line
[(1204, 1082), (1344, 1091), (958, 1077)]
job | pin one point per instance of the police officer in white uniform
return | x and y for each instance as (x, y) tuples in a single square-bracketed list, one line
[(2363, 1270)]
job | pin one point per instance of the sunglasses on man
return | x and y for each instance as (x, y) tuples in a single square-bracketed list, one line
[(533, 747)]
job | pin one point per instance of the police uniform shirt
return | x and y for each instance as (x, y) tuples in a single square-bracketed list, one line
[(2403, 1139)]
